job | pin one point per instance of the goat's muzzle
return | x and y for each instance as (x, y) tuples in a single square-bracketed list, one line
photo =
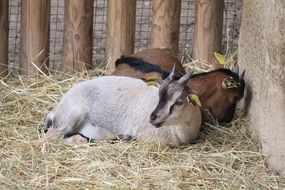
[(153, 121), (226, 119)]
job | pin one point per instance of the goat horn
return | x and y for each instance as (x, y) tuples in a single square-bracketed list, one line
[(241, 76), (169, 78), (185, 78), (171, 75), (236, 69)]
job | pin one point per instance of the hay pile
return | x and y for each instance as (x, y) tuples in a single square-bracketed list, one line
[(223, 158)]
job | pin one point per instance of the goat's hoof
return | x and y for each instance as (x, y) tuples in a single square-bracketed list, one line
[(126, 138), (75, 140)]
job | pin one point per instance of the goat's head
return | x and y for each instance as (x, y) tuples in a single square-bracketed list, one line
[(174, 98), (229, 90)]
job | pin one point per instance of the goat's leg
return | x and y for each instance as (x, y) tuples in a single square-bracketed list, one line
[(75, 140), (95, 132), (67, 120), (89, 133), (52, 134), (126, 138)]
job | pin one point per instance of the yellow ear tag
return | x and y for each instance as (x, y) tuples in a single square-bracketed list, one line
[(231, 83), (194, 99), (152, 83), (221, 58), (151, 79)]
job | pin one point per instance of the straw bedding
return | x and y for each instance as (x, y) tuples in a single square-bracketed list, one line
[(227, 157)]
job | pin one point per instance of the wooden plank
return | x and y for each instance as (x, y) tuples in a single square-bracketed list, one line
[(166, 24), (208, 29), (35, 23), (120, 29), (4, 27), (78, 28)]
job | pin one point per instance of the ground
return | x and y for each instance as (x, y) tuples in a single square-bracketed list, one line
[(227, 157)]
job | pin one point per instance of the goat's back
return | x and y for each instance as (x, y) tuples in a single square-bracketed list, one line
[(163, 58), (154, 62)]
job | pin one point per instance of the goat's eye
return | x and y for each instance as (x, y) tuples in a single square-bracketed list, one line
[(178, 103), (171, 109)]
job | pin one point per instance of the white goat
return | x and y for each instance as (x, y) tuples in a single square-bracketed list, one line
[(112, 106)]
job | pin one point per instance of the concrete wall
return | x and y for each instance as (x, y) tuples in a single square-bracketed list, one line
[(262, 55)]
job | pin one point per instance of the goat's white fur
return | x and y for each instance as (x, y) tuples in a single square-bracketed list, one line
[(108, 106)]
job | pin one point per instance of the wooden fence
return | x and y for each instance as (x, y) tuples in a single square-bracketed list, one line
[(78, 25)]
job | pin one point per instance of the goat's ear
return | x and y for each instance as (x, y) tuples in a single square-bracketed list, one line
[(229, 83), (194, 99)]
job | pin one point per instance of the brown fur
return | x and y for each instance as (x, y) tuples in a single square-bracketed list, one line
[(126, 70), (163, 58), (212, 95), (156, 56)]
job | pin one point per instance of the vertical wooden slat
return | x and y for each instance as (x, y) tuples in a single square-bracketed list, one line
[(35, 23), (208, 29), (166, 24), (78, 27), (120, 29), (4, 27)]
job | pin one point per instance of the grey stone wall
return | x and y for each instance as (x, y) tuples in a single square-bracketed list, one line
[(262, 55)]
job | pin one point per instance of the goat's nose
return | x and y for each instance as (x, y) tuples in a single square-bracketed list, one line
[(153, 117)]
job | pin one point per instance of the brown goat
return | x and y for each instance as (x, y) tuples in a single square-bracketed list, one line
[(161, 60), (218, 90)]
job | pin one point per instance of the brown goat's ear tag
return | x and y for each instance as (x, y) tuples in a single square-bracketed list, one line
[(229, 83), (193, 99)]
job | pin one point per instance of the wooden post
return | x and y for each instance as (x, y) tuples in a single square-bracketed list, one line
[(35, 23), (120, 29), (78, 28), (208, 29), (4, 25), (166, 24)]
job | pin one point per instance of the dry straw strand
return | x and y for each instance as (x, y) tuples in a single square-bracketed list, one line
[(226, 157)]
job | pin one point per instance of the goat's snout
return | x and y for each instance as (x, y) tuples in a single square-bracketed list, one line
[(153, 120), (229, 116), (226, 119)]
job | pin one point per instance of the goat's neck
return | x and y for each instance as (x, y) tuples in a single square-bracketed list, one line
[(204, 87), (187, 131)]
